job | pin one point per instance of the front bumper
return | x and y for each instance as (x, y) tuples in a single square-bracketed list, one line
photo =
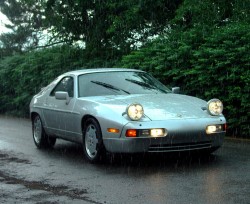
[(183, 135)]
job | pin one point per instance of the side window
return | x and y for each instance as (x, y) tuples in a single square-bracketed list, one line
[(66, 84)]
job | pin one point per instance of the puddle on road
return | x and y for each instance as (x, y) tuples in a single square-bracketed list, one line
[(6, 157), (35, 185), (59, 190)]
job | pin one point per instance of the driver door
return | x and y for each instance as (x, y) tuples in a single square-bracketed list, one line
[(59, 114)]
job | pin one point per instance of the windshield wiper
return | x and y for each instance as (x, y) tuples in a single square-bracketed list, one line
[(146, 85), (109, 86), (141, 83)]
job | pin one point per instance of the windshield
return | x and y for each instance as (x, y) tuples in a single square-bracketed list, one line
[(119, 83)]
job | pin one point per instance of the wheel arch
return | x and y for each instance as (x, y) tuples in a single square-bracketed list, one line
[(33, 114), (100, 153), (85, 118)]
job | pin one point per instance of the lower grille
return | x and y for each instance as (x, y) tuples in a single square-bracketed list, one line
[(179, 147)]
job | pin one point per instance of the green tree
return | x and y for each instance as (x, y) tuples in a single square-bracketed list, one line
[(211, 13), (111, 24), (102, 25), (26, 21)]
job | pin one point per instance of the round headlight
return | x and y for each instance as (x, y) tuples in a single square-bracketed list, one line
[(135, 111), (215, 107)]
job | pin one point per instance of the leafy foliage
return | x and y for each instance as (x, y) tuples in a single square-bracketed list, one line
[(25, 24), (225, 58), (99, 25), (108, 23), (22, 76), (212, 13)]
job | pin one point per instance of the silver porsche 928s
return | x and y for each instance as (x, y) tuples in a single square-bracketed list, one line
[(123, 111)]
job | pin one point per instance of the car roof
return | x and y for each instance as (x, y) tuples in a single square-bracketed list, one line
[(96, 70)]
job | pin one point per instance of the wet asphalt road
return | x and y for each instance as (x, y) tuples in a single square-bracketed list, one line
[(62, 175)]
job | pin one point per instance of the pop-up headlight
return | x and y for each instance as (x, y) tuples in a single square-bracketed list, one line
[(215, 107), (135, 111)]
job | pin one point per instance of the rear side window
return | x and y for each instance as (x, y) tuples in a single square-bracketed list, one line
[(66, 85)]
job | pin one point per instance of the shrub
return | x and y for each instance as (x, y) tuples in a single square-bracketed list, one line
[(22, 76)]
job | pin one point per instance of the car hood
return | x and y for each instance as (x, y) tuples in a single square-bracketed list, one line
[(159, 106)]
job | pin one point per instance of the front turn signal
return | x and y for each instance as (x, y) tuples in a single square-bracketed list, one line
[(131, 133), (113, 130)]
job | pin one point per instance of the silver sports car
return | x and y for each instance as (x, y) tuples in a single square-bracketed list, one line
[(123, 111)]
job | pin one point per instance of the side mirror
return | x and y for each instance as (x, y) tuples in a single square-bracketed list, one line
[(176, 90), (62, 95)]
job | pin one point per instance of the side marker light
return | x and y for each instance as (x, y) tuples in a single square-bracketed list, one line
[(113, 130)]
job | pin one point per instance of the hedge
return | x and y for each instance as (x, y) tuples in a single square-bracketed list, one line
[(22, 76)]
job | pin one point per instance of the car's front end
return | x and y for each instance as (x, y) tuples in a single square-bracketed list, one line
[(168, 136), (163, 124)]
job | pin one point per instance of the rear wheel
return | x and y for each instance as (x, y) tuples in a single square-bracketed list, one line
[(41, 139), (93, 147)]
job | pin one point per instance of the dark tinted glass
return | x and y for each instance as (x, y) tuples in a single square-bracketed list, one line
[(66, 84), (119, 83)]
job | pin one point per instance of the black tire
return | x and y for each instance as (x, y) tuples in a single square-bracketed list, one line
[(93, 147), (41, 139)]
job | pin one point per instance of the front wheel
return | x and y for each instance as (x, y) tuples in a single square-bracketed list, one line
[(41, 139), (93, 147)]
